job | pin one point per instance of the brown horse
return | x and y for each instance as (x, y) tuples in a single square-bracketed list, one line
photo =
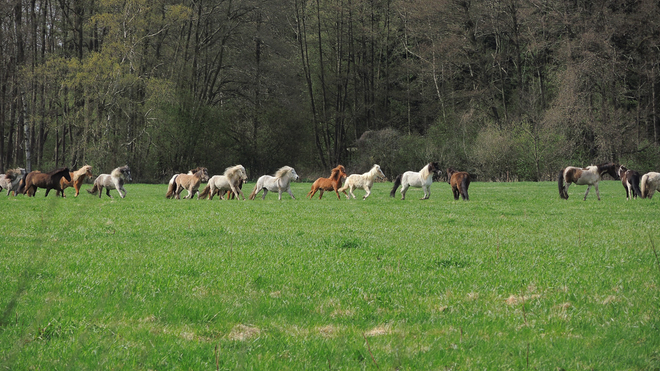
[(630, 181), (51, 180), (459, 181), (188, 182), (77, 178), (329, 184)]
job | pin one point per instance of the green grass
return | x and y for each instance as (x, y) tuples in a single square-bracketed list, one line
[(516, 278)]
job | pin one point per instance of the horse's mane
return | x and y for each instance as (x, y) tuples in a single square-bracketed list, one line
[(233, 172), (59, 170), (424, 173), (336, 171), (374, 169), (283, 171), (193, 171), (81, 172), (13, 173), (119, 172)]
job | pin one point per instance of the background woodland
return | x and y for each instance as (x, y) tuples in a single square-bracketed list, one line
[(507, 90)]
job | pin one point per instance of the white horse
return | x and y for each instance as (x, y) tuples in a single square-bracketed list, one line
[(364, 181), (649, 184), (280, 182), (11, 180), (421, 179), (114, 180), (230, 181)]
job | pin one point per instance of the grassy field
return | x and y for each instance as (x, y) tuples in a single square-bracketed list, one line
[(516, 278)]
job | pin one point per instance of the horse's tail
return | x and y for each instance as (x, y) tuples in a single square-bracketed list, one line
[(634, 180), (397, 183), (644, 186), (171, 187), (560, 181), (465, 183), (205, 192), (94, 189), (253, 195)]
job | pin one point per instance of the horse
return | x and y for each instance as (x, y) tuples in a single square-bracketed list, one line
[(329, 184), (630, 181), (421, 179), (590, 176), (188, 182), (114, 180), (364, 181), (459, 181), (280, 182), (77, 178), (649, 184), (51, 180), (231, 180), (11, 180)]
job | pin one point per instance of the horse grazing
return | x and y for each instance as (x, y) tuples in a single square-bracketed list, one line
[(11, 180), (114, 180), (188, 182), (590, 176), (51, 180), (77, 178), (421, 179), (231, 180), (364, 181), (280, 182), (649, 184), (459, 181), (329, 184), (630, 181)]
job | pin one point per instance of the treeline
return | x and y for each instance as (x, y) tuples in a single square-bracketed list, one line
[(505, 89)]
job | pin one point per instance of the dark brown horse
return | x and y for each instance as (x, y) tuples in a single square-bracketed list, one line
[(630, 181), (459, 181), (329, 184), (51, 180)]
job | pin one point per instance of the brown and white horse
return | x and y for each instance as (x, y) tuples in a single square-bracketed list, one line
[(630, 181), (77, 178), (329, 184), (51, 180), (649, 184), (589, 176), (188, 182), (459, 181)]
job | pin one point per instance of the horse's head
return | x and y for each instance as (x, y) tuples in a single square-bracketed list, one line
[(88, 171), (294, 175), (621, 170), (434, 168), (378, 171), (66, 174), (203, 174), (242, 173), (126, 173), (614, 170)]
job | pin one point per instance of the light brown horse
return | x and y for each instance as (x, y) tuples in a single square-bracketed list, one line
[(459, 181), (51, 180), (188, 182), (329, 184), (77, 179)]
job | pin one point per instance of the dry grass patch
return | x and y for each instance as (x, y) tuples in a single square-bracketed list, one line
[(379, 331), (242, 333)]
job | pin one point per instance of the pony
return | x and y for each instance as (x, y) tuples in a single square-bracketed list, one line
[(630, 181), (51, 180), (77, 178), (188, 182), (421, 179), (590, 175), (114, 180), (231, 180), (649, 184), (190, 172), (364, 181), (11, 180), (329, 184), (280, 182), (459, 181)]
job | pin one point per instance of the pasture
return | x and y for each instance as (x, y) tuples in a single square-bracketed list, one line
[(515, 278)]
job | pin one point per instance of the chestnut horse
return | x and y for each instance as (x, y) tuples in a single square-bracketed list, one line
[(329, 184), (459, 181), (188, 182), (630, 181), (51, 180), (590, 176), (649, 184), (77, 178)]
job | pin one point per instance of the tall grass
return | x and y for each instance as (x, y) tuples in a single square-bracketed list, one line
[(516, 278)]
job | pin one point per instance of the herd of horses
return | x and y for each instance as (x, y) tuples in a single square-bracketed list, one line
[(230, 183)]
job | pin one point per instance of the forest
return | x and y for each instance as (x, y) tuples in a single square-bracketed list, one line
[(505, 89)]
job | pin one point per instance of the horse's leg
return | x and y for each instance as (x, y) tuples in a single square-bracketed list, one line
[(120, 192), (404, 189), (597, 193), (47, 190), (368, 193), (264, 195), (350, 190), (320, 193), (290, 192), (427, 192), (107, 192)]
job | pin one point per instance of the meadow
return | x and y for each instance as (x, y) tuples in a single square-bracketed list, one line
[(515, 278)]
